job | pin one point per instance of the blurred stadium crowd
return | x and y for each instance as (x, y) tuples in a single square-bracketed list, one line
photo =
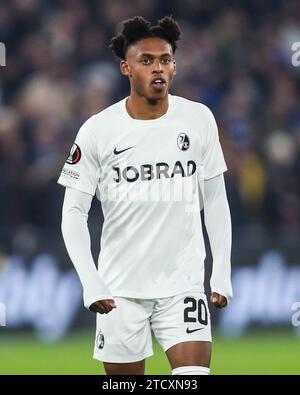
[(234, 57)]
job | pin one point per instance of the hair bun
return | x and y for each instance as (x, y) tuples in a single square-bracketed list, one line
[(137, 26), (170, 28)]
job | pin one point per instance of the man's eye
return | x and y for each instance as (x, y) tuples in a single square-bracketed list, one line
[(166, 60), (146, 60)]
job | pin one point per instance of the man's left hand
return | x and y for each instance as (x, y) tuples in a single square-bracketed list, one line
[(218, 300)]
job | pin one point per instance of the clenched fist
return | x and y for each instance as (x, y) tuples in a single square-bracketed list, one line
[(103, 306), (218, 300)]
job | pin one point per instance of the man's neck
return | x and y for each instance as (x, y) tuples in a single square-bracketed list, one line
[(139, 107)]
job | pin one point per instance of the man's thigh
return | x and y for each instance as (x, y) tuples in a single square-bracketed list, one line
[(181, 325)]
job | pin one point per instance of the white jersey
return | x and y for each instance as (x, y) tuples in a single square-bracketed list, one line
[(149, 176)]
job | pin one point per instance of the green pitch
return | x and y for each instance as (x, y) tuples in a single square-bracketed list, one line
[(263, 353)]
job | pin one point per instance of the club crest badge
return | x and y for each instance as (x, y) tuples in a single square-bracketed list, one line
[(100, 340), (183, 141)]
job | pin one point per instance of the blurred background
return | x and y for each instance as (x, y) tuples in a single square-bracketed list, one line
[(236, 58)]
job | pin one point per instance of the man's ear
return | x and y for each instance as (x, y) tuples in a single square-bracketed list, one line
[(175, 67), (124, 67)]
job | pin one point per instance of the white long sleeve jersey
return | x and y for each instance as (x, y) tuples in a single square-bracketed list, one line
[(150, 177)]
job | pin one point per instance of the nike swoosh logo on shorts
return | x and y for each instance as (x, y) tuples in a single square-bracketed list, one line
[(193, 330), (119, 152)]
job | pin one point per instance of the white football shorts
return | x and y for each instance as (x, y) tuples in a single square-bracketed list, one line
[(125, 334)]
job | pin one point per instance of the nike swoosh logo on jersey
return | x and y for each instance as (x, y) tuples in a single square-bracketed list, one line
[(119, 152), (193, 330)]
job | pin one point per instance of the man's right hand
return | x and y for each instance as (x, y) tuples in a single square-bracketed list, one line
[(103, 306)]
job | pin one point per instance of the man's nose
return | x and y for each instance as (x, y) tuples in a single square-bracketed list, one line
[(157, 66)]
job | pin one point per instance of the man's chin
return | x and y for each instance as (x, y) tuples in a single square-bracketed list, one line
[(158, 95)]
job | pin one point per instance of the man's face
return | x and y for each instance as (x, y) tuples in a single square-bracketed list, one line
[(150, 67)]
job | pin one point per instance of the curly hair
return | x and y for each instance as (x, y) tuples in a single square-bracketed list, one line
[(137, 28)]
